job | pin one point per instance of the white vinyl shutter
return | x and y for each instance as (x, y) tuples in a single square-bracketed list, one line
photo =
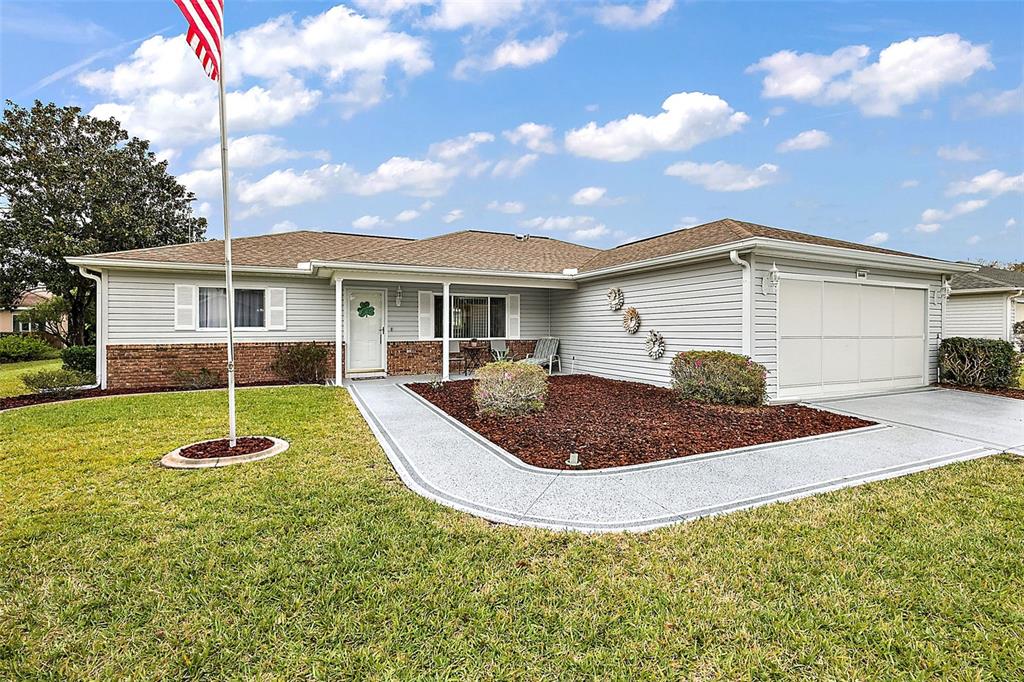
[(426, 315), (276, 308), (512, 316), (184, 306)]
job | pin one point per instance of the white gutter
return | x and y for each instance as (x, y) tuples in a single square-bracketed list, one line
[(424, 269), (748, 289), (164, 265), (991, 290), (101, 349)]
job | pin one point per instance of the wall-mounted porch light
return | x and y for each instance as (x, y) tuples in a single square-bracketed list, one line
[(770, 282), (398, 297)]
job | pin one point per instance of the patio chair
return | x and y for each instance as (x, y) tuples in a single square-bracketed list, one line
[(545, 354)]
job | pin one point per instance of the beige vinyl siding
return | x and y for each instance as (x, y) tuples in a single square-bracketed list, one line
[(977, 315), (695, 306), (765, 327), (141, 308)]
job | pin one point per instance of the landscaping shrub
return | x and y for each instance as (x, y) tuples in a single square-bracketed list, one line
[(79, 358), (510, 389), (718, 378), (15, 348), (202, 378), (303, 363), (57, 380), (989, 363)]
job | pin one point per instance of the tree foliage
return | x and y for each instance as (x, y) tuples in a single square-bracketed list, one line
[(71, 184)]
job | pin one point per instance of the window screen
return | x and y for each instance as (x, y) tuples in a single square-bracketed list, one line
[(213, 308)]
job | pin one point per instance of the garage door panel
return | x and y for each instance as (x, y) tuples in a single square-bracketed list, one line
[(841, 309), (875, 359), (839, 360), (802, 361), (876, 308), (908, 357), (908, 318), (801, 311)]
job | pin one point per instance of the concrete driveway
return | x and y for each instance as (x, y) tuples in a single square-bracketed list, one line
[(988, 420), (443, 460)]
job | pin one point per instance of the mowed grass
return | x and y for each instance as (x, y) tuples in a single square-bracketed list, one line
[(10, 375), (319, 563)]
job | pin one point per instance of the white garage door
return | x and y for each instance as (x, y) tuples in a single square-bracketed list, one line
[(840, 338)]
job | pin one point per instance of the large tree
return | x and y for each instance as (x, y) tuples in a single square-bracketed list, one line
[(71, 184)]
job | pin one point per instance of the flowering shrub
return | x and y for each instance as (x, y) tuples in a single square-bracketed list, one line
[(510, 389), (718, 378)]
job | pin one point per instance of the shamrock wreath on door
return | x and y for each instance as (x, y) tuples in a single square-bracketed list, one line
[(365, 309)]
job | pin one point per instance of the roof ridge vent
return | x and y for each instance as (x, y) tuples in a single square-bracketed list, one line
[(522, 237)]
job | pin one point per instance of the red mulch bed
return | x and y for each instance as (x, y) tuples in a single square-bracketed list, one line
[(43, 398), (1017, 393), (221, 448), (615, 423)]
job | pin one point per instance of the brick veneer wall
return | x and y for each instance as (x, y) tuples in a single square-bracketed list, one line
[(424, 357), (157, 365), (520, 347)]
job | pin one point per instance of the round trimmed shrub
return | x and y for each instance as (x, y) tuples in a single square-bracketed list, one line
[(15, 348), (510, 389), (79, 358), (719, 378)]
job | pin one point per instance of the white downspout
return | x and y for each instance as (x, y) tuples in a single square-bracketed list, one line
[(1008, 312), (747, 300), (446, 323), (101, 336)]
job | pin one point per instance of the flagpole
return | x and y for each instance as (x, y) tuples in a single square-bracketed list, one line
[(227, 254)]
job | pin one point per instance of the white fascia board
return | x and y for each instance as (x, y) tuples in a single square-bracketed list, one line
[(416, 273), (673, 258), (124, 264), (838, 254), (1016, 291)]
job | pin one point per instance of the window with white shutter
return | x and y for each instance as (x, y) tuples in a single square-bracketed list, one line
[(184, 306), (426, 315), (512, 316), (276, 308)]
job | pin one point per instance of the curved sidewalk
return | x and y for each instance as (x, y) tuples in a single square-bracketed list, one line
[(441, 459)]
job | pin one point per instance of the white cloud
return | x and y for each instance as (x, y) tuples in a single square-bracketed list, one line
[(1010, 222), (456, 14), (251, 151), (205, 183), (805, 141), (286, 187), (993, 182), (961, 152), (513, 53), (368, 222), (905, 72), (588, 195), (631, 16), (907, 184), (724, 177), (509, 207), (161, 93), (687, 221), (579, 227), (458, 147), (997, 103), (934, 215), (973, 239), (928, 228), (407, 215), (533, 136), (876, 238), (419, 177), (167, 154), (283, 226), (688, 119), (453, 215), (386, 8), (513, 168)]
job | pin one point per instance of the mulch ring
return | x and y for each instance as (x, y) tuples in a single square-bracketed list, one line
[(615, 423), (43, 398), (1017, 393), (222, 448)]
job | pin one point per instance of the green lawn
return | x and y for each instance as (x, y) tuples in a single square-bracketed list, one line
[(319, 563), (10, 375)]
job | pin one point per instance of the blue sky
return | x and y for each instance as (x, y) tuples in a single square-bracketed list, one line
[(899, 124)]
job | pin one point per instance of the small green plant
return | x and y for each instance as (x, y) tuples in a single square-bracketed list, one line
[(719, 378), (79, 358), (510, 389), (15, 348), (437, 383), (302, 363), (989, 363), (204, 377), (61, 381)]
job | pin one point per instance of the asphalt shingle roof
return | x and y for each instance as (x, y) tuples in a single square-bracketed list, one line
[(988, 278)]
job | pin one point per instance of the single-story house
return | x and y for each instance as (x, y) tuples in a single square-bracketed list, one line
[(14, 320), (985, 304), (826, 317)]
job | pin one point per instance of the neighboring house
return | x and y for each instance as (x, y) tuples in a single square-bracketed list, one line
[(985, 304), (15, 321), (826, 317)]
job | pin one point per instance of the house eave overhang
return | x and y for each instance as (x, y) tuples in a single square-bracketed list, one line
[(741, 246), (125, 264), (836, 254), (420, 273), (1011, 291)]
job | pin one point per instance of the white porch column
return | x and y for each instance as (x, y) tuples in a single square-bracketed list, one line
[(338, 336), (446, 324)]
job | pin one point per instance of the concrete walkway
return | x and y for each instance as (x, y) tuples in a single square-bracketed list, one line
[(446, 462)]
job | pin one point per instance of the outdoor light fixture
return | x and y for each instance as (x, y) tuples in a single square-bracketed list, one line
[(398, 297), (770, 282)]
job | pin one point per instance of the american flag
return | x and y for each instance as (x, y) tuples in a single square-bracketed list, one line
[(205, 29)]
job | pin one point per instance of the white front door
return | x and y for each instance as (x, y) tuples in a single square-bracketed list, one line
[(365, 320)]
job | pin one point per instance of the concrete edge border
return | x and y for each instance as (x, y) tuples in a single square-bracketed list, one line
[(514, 461), (174, 460), (412, 479)]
